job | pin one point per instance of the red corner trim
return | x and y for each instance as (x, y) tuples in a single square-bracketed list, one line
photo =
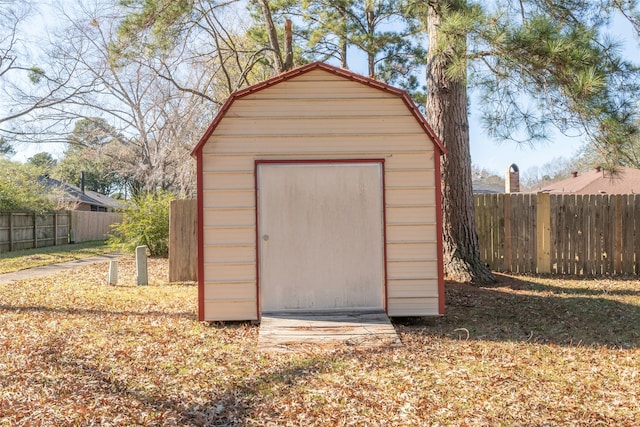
[(200, 202), (257, 230), (384, 236), (441, 301), (328, 68)]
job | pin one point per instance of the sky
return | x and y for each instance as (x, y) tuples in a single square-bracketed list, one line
[(497, 156), (494, 156)]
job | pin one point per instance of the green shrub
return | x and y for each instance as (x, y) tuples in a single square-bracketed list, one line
[(145, 221), (20, 189)]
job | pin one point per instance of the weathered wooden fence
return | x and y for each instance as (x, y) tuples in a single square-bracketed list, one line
[(26, 230), (87, 226), (520, 233), (183, 241), (560, 234)]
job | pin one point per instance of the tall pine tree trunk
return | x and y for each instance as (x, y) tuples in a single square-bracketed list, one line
[(446, 111)]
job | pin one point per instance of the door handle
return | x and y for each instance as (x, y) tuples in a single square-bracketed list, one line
[(265, 237)]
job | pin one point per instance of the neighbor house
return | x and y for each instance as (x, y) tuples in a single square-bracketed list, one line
[(598, 181), (79, 198)]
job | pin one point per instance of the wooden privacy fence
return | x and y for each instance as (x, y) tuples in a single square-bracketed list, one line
[(26, 230), (560, 234), (87, 225), (520, 233)]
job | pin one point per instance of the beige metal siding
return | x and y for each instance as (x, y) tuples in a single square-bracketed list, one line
[(347, 144), (314, 108), (412, 288), (412, 306), (411, 251), (318, 115), (216, 308), (320, 85), (229, 236)]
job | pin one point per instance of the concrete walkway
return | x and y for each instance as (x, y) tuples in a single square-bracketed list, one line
[(45, 270)]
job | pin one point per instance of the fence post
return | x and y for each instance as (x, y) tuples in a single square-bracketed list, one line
[(543, 233), (112, 276), (72, 237), (617, 229), (11, 231), (55, 228), (141, 265), (507, 234), (35, 231)]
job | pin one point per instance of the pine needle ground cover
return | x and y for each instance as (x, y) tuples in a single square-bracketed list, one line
[(528, 351), (29, 258)]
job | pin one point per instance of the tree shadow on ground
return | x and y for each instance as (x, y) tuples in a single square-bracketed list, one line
[(229, 404), (604, 288), (95, 312), (516, 309)]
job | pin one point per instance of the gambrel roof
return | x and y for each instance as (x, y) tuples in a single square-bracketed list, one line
[(349, 75)]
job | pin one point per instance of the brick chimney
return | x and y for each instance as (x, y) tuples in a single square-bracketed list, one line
[(512, 179)]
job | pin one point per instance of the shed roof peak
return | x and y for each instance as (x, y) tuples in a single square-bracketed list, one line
[(347, 74)]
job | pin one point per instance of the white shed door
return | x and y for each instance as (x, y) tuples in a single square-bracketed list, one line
[(320, 229)]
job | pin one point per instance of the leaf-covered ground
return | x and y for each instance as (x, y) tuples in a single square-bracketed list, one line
[(29, 258), (528, 351)]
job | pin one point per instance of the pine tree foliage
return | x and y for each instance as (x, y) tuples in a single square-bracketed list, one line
[(544, 64), (342, 30), (536, 65)]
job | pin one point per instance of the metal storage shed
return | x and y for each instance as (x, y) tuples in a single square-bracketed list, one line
[(319, 189)]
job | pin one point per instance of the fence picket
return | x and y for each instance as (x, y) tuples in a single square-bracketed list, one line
[(636, 235), (529, 237), (553, 226), (571, 241), (500, 222), (580, 236), (591, 232)]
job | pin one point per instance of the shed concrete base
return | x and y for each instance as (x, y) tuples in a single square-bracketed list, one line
[(300, 332)]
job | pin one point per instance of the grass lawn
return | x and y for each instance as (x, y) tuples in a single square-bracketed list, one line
[(19, 260), (525, 352)]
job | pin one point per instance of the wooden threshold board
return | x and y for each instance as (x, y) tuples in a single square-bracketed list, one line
[(300, 332)]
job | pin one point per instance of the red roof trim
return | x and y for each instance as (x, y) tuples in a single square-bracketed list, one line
[(331, 69)]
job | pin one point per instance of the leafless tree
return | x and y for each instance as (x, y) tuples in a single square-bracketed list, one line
[(158, 122), (210, 40), (26, 88)]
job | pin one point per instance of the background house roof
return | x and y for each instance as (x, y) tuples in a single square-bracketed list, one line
[(74, 194), (484, 188), (598, 181)]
